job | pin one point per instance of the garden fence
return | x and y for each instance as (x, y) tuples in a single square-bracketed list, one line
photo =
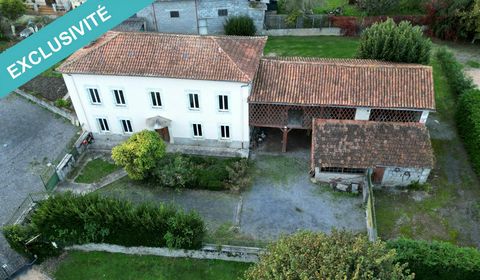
[(304, 21), (25, 207)]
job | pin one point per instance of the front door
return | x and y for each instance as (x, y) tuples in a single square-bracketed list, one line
[(164, 134), (377, 176)]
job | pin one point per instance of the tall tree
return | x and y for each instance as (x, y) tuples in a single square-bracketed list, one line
[(12, 9), (397, 43)]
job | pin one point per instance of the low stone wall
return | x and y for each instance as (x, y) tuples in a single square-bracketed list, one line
[(220, 252), (47, 105), (326, 31)]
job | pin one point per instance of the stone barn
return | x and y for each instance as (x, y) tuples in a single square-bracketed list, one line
[(398, 153)]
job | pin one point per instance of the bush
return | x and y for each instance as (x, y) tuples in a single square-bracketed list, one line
[(61, 103), (174, 171), (240, 26), (377, 7), (22, 240), (69, 219), (456, 78), (12, 9), (437, 260), (341, 255), (197, 172), (444, 18), (139, 154), (468, 123), (397, 43)]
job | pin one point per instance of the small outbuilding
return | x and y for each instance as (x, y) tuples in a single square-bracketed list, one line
[(398, 153)]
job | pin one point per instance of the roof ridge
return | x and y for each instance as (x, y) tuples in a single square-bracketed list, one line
[(230, 58), (342, 61)]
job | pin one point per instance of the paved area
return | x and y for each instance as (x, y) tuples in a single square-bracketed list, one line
[(31, 137), (281, 200)]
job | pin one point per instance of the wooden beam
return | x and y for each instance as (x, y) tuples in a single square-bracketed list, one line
[(285, 138)]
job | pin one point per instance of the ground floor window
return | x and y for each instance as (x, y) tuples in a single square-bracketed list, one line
[(103, 124), (197, 130), (342, 170), (225, 132), (127, 126)]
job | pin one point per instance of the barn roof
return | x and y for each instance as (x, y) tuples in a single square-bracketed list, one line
[(365, 144), (218, 58), (343, 82)]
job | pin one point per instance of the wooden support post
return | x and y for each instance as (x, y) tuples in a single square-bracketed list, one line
[(285, 131)]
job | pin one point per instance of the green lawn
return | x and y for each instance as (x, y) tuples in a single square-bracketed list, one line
[(95, 170), (101, 265), (325, 46)]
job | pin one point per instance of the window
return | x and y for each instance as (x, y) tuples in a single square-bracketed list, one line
[(343, 170), (193, 101), (223, 102), (103, 124), (174, 14), (225, 131), (127, 126), (94, 96), (222, 12), (119, 97), (156, 99), (197, 130)]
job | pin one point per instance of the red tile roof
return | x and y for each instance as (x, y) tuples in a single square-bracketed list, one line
[(343, 82), (364, 144), (218, 58)]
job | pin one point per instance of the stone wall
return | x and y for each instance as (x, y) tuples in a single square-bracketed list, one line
[(158, 17)]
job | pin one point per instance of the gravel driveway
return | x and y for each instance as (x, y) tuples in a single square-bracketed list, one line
[(30, 138)]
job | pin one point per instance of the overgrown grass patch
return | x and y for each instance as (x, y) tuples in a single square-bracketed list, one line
[(473, 64), (279, 169), (95, 170), (102, 265)]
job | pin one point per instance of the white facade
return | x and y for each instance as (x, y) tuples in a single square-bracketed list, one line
[(138, 109)]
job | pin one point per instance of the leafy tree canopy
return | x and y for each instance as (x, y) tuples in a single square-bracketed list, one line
[(12, 9)]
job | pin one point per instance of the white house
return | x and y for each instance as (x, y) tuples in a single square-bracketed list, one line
[(191, 89)]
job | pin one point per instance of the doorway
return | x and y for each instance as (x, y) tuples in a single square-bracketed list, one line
[(164, 134), (377, 176)]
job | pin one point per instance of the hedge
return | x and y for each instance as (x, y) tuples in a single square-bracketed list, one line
[(468, 123), (69, 219), (437, 260), (457, 80), (240, 26)]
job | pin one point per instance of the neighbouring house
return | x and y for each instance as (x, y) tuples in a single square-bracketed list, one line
[(49, 7), (191, 89), (398, 153), (200, 16), (208, 94)]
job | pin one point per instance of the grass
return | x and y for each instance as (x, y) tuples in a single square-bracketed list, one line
[(325, 46), (102, 265), (329, 5), (279, 169), (51, 73), (95, 170), (473, 64)]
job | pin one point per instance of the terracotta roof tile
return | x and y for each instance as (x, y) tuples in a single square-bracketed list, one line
[(364, 144), (343, 82), (218, 58)]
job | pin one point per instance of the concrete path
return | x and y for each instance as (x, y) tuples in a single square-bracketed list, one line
[(31, 138), (80, 188)]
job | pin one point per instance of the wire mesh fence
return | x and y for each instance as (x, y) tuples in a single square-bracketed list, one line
[(302, 21)]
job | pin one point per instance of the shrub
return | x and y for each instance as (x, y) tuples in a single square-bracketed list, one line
[(197, 172), (12, 9), (173, 171), (468, 123), (240, 26), (22, 240), (61, 103), (69, 219), (397, 43), (377, 7), (444, 18), (456, 78), (341, 255), (139, 154), (437, 260)]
